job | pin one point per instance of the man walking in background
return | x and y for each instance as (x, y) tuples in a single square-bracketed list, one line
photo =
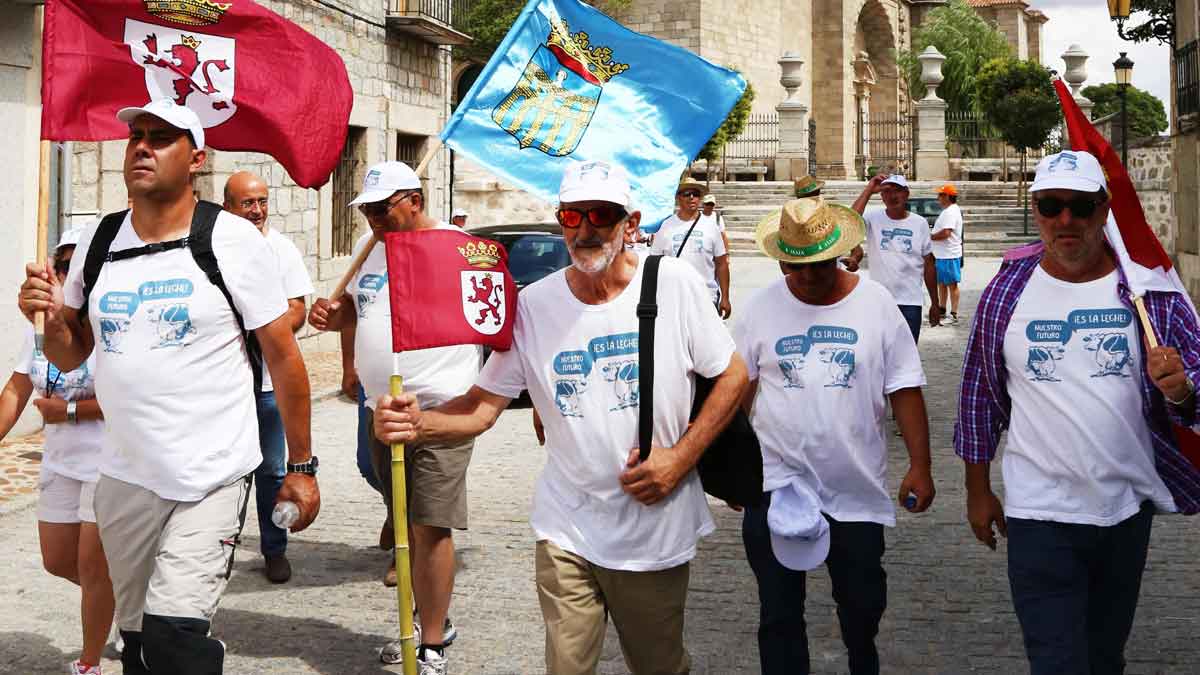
[(689, 236), (948, 250)]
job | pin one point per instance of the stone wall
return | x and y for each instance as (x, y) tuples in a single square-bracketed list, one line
[(1185, 179), (1150, 169)]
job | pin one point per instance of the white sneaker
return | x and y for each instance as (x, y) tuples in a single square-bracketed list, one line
[(75, 668), (432, 664), (392, 653)]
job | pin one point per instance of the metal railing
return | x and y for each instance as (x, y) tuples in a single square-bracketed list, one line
[(449, 12), (1187, 78), (969, 136), (886, 141), (759, 140)]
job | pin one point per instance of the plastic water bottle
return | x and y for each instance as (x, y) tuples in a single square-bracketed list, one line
[(910, 502), (285, 515)]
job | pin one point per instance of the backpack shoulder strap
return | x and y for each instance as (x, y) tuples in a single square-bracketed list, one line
[(97, 253), (679, 251), (204, 219), (647, 311)]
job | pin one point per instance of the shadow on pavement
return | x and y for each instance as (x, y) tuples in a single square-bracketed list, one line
[(32, 654), (314, 564), (323, 646)]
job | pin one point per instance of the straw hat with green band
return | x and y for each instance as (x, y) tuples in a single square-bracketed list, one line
[(807, 186), (810, 230)]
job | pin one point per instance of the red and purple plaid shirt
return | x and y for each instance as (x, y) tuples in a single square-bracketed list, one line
[(984, 405)]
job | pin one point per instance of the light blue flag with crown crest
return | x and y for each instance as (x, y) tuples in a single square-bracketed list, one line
[(570, 84)]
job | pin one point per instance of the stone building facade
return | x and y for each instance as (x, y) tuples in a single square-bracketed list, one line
[(1185, 139)]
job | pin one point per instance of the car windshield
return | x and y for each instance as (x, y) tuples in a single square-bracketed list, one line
[(533, 256)]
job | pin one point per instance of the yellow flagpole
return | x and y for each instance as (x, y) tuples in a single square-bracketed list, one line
[(404, 592)]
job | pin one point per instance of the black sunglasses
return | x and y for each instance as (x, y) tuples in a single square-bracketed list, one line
[(1081, 207), (382, 207), (606, 215), (690, 194)]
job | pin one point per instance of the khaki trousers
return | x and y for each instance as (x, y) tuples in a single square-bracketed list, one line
[(646, 607)]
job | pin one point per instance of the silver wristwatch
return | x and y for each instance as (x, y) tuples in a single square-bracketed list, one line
[(71, 416)]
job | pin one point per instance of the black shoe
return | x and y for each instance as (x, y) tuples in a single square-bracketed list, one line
[(278, 570)]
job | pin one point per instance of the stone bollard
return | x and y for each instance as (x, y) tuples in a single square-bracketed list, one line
[(1075, 76), (933, 161), (792, 160)]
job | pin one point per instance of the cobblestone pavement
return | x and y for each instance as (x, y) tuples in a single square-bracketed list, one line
[(950, 610)]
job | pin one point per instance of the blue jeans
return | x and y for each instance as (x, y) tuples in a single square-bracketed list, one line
[(855, 566), (268, 477), (1075, 589), (912, 314), (363, 456)]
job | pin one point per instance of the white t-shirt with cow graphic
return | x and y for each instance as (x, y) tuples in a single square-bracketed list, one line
[(823, 373), (433, 375), (1079, 449), (172, 374), (580, 365), (701, 250), (896, 251)]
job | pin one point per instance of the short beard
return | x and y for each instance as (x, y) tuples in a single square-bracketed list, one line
[(608, 253)]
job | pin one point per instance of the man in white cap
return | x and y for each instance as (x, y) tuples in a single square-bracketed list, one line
[(163, 292), (246, 196), (900, 249), (1057, 357), (459, 218), (708, 211), (614, 536), (688, 235), (834, 345), (392, 200)]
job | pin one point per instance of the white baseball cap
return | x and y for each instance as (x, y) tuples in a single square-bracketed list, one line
[(1069, 170), (897, 179), (595, 180), (799, 532), (178, 116), (69, 238), (458, 212), (384, 180)]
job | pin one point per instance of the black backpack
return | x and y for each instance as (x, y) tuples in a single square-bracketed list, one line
[(198, 241)]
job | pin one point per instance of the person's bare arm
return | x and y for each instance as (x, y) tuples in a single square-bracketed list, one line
[(329, 314), (722, 270), (349, 372), (872, 187), (935, 312), (400, 420), (941, 234), (68, 338), (654, 479), (13, 400), (909, 406), (983, 507), (296, 312), (292, 395), (54, 409)]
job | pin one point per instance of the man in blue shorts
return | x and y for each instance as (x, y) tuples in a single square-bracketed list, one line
[(948, 249)]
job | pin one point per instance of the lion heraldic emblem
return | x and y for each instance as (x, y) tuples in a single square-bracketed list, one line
[(483, 299), (553, 102)]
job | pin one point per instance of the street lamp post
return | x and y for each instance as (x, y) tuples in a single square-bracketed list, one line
[(1162, 28), (1123, 68)]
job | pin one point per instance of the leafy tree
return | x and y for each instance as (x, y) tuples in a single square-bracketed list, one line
[(966, 40), (733, 125), (488, 21), (1157, 9), (1147, 117)]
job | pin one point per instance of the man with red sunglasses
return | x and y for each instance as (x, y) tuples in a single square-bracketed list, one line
[(1056, 357), (614, 535)]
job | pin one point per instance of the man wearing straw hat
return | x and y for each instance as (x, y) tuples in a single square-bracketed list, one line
[(614, 535), (392, 201), (1056, 358), (688, 235), (832, 344)]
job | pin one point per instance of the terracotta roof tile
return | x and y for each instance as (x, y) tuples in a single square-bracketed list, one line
[(998, 3)]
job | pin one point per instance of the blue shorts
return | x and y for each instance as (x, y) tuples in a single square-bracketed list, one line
[(949, 270)]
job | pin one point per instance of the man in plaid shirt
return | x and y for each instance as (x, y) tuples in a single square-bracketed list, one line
[(1056, 357)]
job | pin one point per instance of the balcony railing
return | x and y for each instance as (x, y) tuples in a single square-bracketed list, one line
[(436, 21), (1187, 79)]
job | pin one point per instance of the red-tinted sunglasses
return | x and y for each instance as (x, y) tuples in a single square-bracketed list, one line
[(606, 215)]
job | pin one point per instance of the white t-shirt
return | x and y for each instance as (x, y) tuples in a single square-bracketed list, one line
[(294, 275), (951, 247), (823, 373), (703, 246), (580, 365), (897, 249), (717, 219), (1079, 449), (172, 374), (72, 450), (433, 375)]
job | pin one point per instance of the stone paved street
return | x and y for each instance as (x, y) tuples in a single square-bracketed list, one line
[(949, 612)]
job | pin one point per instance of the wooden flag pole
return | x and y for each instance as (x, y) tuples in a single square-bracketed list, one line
[(357, 263), (43, 234), (404, 601), (1140, 304)]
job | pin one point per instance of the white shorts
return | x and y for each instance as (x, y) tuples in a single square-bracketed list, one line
[(64, 500)]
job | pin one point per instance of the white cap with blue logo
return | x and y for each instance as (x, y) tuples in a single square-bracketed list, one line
[(1069, 170), (386, 179)]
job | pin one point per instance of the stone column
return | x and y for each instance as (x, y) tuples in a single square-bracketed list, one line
[(933, 161), (792, 160), (1075, 76), (864, 81)]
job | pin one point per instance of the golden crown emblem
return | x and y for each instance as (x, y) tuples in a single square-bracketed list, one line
[(598, 60), (481, 254), (188, 12), (189, 42)]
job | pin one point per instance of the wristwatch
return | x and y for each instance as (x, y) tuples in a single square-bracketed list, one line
[(71, 416), (309, 467)]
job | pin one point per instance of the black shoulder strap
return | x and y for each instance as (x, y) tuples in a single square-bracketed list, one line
[(97, 253), (647, 311), (200, 243), (683, 243)]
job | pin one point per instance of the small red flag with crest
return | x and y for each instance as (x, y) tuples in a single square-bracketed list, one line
[(449, 288)]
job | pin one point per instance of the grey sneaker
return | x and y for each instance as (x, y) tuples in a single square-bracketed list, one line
[(432, 664), (392, 653)]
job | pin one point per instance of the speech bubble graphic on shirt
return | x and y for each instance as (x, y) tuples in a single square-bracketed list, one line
[(1090, 319), (1048, 331), (832, 335), (119, 303), (372, 282), (166, 289), (575, 362), (609, 346), (792, 344)]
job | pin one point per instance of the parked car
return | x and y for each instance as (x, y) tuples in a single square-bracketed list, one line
[(926, 207)]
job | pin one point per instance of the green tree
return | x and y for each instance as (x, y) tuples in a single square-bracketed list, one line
[(488, 21), (733, 125), (1147, 116), (966, 40)]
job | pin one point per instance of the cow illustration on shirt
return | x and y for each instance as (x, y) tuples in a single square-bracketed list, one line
[(172, 324), (624, 377), (566, 396), (841, 365), (1040, 362), (791, 373), (1112, 353), (368, 291), (112, 331)]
